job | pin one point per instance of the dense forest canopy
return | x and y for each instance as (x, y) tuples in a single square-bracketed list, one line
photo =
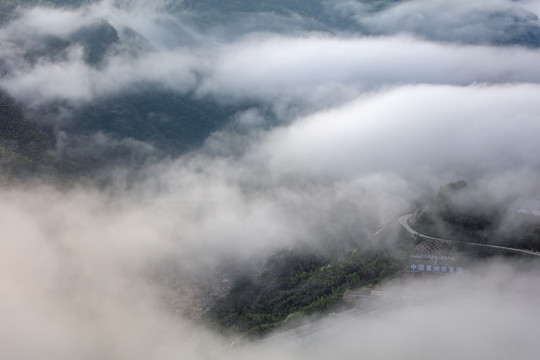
[(297, 284)]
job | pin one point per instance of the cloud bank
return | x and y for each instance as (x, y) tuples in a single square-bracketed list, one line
[(343, 132), (314, 67)]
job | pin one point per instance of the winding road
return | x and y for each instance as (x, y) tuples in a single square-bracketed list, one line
[(404, 221)]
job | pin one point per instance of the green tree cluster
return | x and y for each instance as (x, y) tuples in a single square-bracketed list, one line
[(296, 282)]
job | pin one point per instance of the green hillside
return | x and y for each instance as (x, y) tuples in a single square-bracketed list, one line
[(170, 122), (25, 148), (296, 282)]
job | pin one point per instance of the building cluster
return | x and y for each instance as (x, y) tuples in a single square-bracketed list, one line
[(433, 256)]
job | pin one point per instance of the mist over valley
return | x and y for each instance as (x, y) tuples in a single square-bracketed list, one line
[(270, 179)]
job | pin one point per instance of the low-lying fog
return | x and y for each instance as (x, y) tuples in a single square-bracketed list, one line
[(367, 125)]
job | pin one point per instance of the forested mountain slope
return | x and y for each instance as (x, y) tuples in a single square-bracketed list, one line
[(464, 212), (25, 148)]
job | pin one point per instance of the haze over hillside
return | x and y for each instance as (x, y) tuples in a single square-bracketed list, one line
[(151, 152)]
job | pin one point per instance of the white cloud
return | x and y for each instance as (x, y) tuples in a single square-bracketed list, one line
[(383, 119), (473, 22), (423, 130), (311, 69)]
